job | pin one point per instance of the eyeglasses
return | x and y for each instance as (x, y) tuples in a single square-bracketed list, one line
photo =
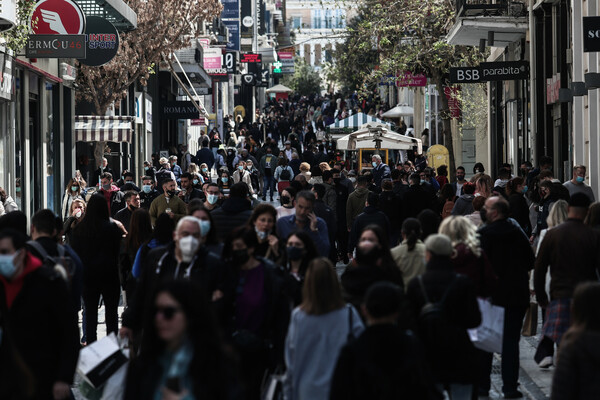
[(167, 312)]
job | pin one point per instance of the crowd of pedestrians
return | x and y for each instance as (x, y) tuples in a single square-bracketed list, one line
[(361, 284)]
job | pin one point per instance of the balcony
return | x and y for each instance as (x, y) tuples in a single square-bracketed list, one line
[(475, 19)]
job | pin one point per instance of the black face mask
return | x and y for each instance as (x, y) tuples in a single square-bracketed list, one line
[(337, 180), (483, 215), (460, 177), (285, 199), (367, 255), (171, 193), (240, 257)]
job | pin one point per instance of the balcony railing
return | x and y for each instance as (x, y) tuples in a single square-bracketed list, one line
[(490, 8)]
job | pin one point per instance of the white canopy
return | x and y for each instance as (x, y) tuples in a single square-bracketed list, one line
[(399, 111), (279, 89), (355, 121), (364, 138)]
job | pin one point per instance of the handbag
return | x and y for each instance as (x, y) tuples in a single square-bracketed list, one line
[(488, 336), (272, 385), (531, 319)]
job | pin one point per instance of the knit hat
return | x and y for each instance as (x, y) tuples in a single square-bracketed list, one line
[(439, 245)]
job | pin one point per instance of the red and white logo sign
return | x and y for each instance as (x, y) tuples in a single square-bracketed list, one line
[(57, 17)]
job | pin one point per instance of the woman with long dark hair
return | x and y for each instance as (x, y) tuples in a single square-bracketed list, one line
[(182, 355), (410, 254), (96, 239), (300, 250), (257, 307), (162, 235), (373, 263), (519, 210), (140, 232), (262, 222), (319, 328)]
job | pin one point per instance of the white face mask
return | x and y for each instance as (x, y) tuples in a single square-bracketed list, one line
[(188, 246), (78, 213)]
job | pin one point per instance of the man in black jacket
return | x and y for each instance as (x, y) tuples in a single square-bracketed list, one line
[(132, 203), (371, 215), (34, 301), (416, 199), (185, 258), (148, 192), (188, 191), (234, 212), (325, 212), (512, 258)]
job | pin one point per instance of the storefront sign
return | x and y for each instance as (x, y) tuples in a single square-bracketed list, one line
[(231, 9), (148, 113), (287, 61), (139, 111), (249, 79), (453, 101), (407, 79), (552, 89), (212, 58), (179, 110), (56, 46), (591, 34), (8, 14), (489, 72), (57, 17), (102, 42), (233, 26), (218, 74), (199, 122), (7, 81), (229, 62), (251, 58)]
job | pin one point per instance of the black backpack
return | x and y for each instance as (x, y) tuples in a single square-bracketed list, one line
[(285, 175), (436, 330), (62, 264)]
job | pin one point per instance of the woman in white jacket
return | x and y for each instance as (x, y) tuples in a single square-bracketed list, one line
[(7, 203), (241, 174), (72, 192), (318, 329)]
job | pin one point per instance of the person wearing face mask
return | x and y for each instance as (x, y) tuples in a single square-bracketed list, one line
[(267, 166), (256, 307), (175, 169), (254, 176), (512, 258), (287, 199), (75, 215), (188, 191), (380, 170), (235, 211), (111, 193), (148, 192), (72, 192), (263, 222), (205, 173), (578, 185), (168, 202), (36, 299), (299, 252), (373, 263), (213, 244), (132, 201), (185, 258), (224, 182), (460, 181), (241, 174), (371, 215), (416, 198), (213, 194), (149, 170)]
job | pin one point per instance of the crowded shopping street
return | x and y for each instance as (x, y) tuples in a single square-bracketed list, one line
[(266, 200)]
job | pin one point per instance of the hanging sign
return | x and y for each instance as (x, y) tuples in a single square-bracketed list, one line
[(57, 17), (591, 34), (102, 42), (179, 110), (491, 72), (251, 58), (55, 46), (8, 14)]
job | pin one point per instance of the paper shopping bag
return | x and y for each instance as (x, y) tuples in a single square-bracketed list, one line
[(488, 336), (531, 320), (100, 360)]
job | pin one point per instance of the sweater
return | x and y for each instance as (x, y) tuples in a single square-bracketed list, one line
[(355, 205), (411, 263), (159, 205)]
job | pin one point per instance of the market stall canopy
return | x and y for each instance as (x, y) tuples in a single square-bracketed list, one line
[(94, 128), (355, 121), (279, 89), (399, 111), (365, 139)]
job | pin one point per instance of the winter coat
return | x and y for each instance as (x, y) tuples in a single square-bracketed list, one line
[(479, 269), (519, 210), (416, 199), (355, 205), (463, 205), (233, 213), (370, 216)]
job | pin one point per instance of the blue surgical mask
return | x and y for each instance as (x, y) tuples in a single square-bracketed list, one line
[(146, 188), (212, 198), (74, 188), (146, 168), (7, 266), (224, 180), (261, 235), (580, 179), (204, 228), (524, 189), (374, 164), (204, 170), (195, 181), (240, 168), (422, 181)]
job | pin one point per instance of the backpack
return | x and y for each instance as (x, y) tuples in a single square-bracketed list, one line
[(62, 264), (285, 175), (436, 331)]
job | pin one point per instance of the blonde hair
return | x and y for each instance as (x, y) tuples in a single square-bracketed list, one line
[(460, 230), (324, 166), (558, 213), (304, 167)]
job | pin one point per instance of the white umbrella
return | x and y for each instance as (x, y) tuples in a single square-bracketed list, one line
[(279, 89), (399, 111)]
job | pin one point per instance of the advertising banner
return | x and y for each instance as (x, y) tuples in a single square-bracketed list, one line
[(102, 42), (234, 34), (212, 58)]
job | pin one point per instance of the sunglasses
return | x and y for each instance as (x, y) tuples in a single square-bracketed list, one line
[(167, 312)]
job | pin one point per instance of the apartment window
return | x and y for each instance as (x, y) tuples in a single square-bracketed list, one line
[(328, 19), (297, 22), (317, 19), (340, 21)]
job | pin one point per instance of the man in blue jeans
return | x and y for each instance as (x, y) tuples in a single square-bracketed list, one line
[(267, 166)]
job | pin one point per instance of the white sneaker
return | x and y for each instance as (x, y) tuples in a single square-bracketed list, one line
[(546, 362)]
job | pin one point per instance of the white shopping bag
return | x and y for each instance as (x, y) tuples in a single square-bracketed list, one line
[(488, 336), (100, 360), (114, 388)]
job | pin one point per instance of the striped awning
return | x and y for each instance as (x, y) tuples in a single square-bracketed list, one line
[(94, 128), (355, 121)]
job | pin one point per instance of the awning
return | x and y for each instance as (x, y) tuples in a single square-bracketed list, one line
[(365, 138), (94, 128), (355, 121)]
